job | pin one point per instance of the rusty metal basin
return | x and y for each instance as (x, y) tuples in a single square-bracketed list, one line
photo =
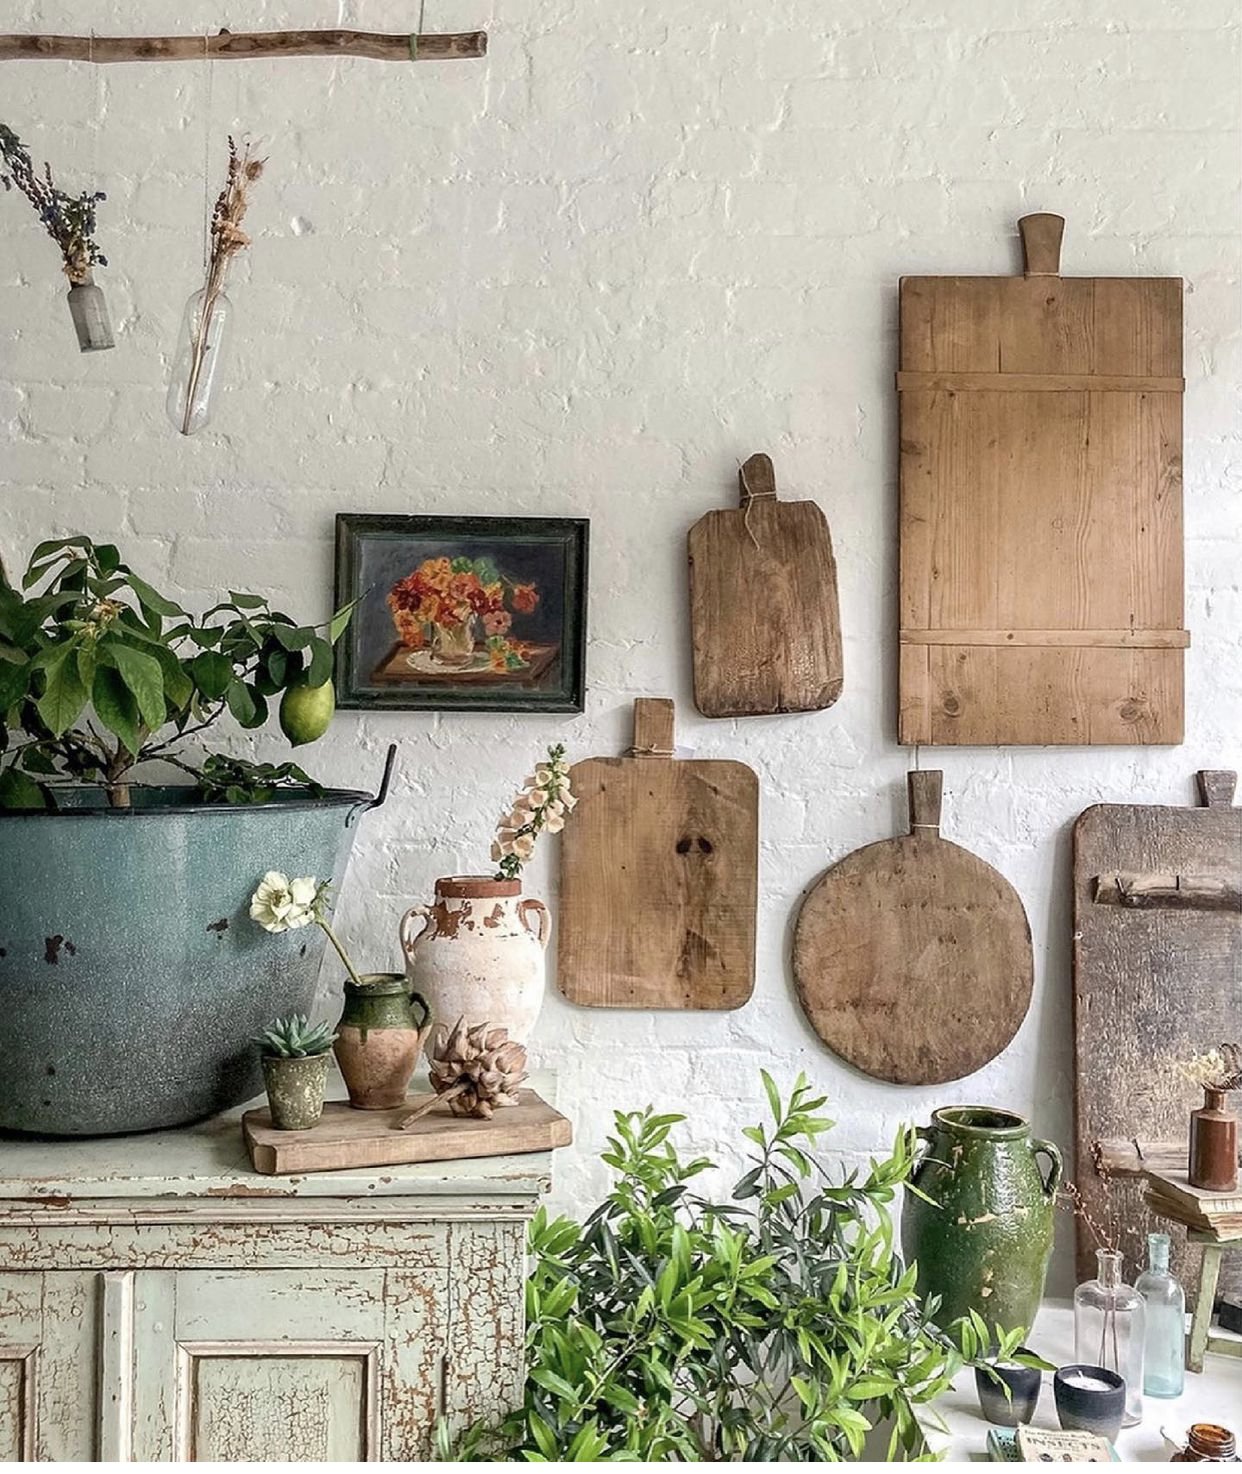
[(131, 975)]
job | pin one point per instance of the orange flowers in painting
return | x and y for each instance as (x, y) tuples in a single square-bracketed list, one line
[(462, 595)]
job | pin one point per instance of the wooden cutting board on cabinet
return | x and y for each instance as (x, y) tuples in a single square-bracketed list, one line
[(659, 877), (1041, 505), (1157, 979), (912, 957), (764, 615)]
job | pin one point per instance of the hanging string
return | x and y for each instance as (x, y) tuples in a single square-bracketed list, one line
[(750, 502), (211, 75)]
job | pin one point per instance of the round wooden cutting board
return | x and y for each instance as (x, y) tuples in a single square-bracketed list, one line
[(912, 957)]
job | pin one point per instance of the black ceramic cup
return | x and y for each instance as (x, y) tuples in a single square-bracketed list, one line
[(1008, 1411), (1091, 1399)]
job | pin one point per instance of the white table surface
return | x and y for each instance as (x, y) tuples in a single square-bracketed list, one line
[(1213, 1395)]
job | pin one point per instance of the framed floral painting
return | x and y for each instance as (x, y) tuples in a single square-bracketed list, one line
[(462, 613)]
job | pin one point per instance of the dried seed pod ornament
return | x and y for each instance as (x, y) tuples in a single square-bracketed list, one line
[(474, 1070)]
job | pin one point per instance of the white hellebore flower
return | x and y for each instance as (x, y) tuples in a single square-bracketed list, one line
[(281, 904)]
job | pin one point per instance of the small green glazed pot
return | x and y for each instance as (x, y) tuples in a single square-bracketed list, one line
[(295, 1089), (378, 1039), (984, 1240)]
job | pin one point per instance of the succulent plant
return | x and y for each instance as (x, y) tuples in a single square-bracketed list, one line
[(295, 1038)]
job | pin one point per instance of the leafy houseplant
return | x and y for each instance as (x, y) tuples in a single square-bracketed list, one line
[(100, 673), (1008, 1375), (295, 1065), (777, 1326)]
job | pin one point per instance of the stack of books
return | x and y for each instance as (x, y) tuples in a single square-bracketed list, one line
[(1172, 1196)]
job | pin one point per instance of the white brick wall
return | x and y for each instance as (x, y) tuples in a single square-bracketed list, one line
[(587, 276)]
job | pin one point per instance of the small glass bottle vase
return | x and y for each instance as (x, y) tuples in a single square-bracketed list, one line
[(1164, 1357), (1110, 1328), (195, 372)]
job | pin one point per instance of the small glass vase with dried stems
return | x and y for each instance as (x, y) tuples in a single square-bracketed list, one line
[(204, 327), (1109, 1314)]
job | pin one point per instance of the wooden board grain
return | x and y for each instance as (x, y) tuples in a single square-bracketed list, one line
[(764, 614), (1041, 506), (912, 957), (659, 877), (1152, 985), (346, 1137)]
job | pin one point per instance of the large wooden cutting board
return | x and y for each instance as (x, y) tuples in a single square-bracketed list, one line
[(912, 957), (1157, 979), (764, 618), (659, 877), (1041, 505), (345, 1137)]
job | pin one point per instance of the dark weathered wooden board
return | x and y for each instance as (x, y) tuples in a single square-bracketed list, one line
[(912, 957), (659, 877), (346, 1137), (765, 621), (1152, 985), (1041, 506)]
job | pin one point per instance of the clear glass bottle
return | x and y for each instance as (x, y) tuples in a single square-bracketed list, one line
[(197, 361), (1110, 1328), (1164, 1356)]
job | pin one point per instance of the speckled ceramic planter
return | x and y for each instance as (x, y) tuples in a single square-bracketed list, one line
[(295, 1090), (983, 1234)]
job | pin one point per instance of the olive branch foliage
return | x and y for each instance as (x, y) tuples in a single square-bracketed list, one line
[(780, 1325), (99, 672)]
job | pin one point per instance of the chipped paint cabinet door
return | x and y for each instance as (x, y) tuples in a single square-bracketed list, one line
[(160, 1302)]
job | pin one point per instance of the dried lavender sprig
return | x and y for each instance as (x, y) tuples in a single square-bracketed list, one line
[(68, 219)]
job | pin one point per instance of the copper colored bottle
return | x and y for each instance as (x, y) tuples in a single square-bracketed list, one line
[(1208, 1443), (1213, 1144)]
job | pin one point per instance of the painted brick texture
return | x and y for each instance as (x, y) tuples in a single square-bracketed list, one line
[(586, 277)]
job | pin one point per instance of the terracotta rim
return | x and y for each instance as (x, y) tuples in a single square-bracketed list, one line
[(476, 887)]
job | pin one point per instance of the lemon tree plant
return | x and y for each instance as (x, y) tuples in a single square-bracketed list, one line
[(778, 1326), (100, 673)]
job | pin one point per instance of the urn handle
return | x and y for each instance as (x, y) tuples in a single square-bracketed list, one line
[(545, 921), (1050, 1150), (408, 942)]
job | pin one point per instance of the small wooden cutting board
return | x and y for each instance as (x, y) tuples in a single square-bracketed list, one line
[(345, 1137), (764, 617), (912, 957), (659, 877)]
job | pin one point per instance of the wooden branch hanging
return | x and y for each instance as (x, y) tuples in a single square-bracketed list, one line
[(245, 46)]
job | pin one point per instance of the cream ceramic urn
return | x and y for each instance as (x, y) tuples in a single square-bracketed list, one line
[(479, 954)]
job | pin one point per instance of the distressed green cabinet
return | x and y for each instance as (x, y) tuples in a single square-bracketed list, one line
[(158, 1301)]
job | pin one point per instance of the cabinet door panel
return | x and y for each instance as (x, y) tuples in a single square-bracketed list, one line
[(294, 1408), (49, 1328)]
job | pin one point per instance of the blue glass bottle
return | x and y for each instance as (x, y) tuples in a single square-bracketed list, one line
[(1164, 1365)]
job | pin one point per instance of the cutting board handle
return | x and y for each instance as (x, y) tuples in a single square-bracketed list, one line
[(925, 791), (756, 481), (653, 727), (1041, 244), (1216, 786)]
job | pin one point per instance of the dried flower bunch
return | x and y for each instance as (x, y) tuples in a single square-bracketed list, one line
[(68, 219), (280, 904), (1106, 1231), (543, 804), (1218, 1069), (227, 236)]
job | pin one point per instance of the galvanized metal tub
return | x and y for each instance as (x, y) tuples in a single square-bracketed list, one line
[(131, 975)]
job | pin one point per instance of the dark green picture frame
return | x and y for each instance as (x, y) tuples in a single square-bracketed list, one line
[(540, 662)]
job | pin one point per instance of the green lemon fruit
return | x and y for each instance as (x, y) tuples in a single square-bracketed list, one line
[(305, 712)]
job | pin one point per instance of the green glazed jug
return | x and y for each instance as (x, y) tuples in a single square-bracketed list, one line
[(378, 1039), (983, 1241)]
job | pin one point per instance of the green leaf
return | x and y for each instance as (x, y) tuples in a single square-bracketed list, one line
[(241, 702), (321, 662), (155, 602), (142, 674), (116, 707), (292, 638), (247, 601), (14, 682), (17, 791), (340, 621), (212, 673), (64, 695)]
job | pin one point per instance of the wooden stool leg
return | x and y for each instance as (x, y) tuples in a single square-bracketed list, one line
[(1199, 1326)]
